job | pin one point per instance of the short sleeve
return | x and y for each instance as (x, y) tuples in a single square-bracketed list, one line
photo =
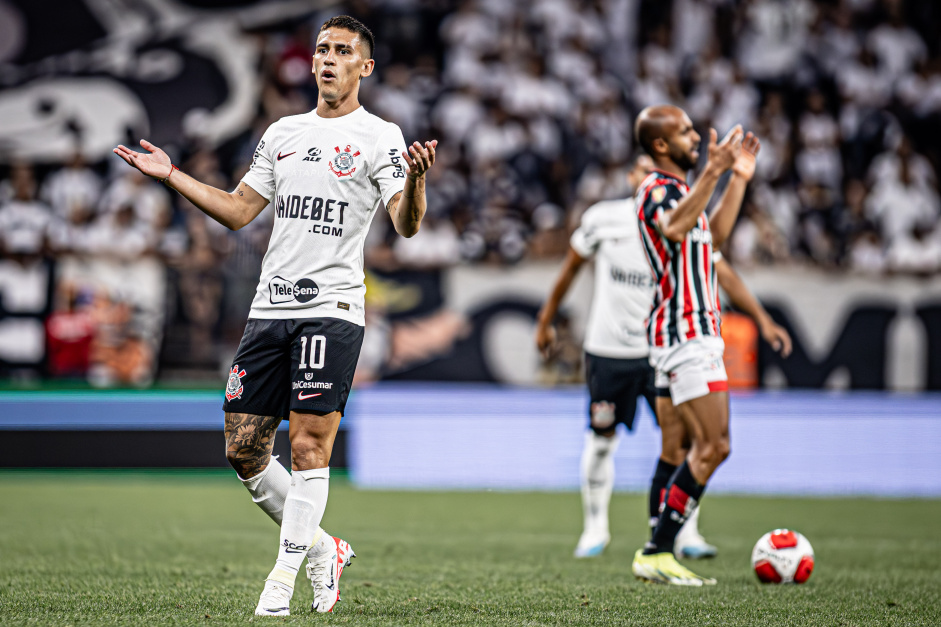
[(260, 177), (587, 237), (389, 169), (660, 199)]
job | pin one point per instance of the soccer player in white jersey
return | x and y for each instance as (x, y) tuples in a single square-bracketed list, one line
[(683, 327), (326, 172), (616, 356)]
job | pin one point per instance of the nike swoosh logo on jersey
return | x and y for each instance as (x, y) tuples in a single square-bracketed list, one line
[(303, 397), (280, 156)]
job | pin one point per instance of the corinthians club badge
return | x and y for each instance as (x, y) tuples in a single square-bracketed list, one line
[(233, 389), (343, 164)]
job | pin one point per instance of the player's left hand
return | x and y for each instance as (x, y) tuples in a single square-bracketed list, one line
[(777, 337), (419, 158), (744, 165)]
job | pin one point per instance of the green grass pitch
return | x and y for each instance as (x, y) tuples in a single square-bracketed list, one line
[(191, 549)]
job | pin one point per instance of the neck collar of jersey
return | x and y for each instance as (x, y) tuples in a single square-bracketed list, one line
[(681, 179), (355, 112)]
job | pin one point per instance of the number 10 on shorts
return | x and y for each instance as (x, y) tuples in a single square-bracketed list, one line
[(318, 349)]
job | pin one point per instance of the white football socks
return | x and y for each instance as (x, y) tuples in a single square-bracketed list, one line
[(300, 528), (597, 480), (269, 489)]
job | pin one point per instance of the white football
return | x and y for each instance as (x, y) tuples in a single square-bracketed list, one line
[(783, 556)]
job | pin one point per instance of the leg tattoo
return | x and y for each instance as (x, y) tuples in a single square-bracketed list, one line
[(249, 441)]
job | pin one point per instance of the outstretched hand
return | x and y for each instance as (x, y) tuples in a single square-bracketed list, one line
[(419, 159), (154, 163), (745, 163), (723, 156)]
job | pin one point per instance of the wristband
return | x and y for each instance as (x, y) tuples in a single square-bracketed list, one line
[(167, 177)]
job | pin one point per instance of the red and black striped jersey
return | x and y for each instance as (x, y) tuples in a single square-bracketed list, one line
[(686, 301)]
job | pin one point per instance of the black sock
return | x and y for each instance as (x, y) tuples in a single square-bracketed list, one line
[(683, 495), (658, 488)]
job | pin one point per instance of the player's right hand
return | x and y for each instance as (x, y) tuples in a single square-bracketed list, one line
[(154, 163), (545, 340), (723, 155)]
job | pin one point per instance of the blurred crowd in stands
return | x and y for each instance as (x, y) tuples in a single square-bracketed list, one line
[(532, 103)]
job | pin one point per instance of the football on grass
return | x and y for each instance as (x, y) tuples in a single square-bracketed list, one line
[(783, 556)]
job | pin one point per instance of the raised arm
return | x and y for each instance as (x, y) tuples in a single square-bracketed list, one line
[(745, 301), (407, 207), (676, 223), (545, 332), (726, 212), (233, 210)]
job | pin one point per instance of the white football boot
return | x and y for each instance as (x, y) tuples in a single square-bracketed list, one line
[(324, 574), (690, 543), (275, 600), (592, 543)]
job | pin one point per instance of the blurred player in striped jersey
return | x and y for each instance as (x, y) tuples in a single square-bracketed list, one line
[(616, 356), (683, 328)]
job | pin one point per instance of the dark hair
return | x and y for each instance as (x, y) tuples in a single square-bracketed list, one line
[(354, 26)]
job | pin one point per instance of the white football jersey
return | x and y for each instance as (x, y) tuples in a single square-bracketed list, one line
[(624, 284), (325, 177)]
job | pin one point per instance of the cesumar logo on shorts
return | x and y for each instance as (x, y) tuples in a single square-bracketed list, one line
[(312, 385), (233, 387), (344, 163), (281, 290)]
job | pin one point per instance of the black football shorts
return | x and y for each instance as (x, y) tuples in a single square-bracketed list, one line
[(614, 386), (301, 364)]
